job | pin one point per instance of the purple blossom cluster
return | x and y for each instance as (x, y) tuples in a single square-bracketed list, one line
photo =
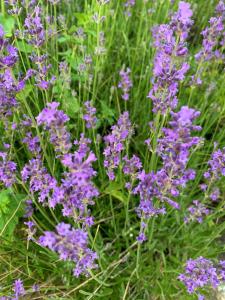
[(7, 170), (71, 245), (41, 182), (216, 165), (115, 144), (9, 85), (41, 71), (174, 149), (170, 67), (213, 40), (18, 288), (132, 169), (196, 212), (125, 83), (19, 291), (34, 29), (90, 115), (200, 273), (54, 121), (77, 187), (9, 54)]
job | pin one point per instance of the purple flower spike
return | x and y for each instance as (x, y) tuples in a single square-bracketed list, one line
[(170, 66), (115, 144), (196, 212), (71, 245), (90, 115), (18, 289), (53, 121), (199, 273), (7, 170), (125, 84)]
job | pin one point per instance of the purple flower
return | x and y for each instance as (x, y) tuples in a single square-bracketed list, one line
[(31, 230), (90, 115), (41, 182), (18, 289), (7, 170), (115, 144), (131, 168), (34, 29), (213, 41), (141, 238), (125, 83), (196, 212), (170, 66), (174, 149), (54, 121), (215, 194), (216, 164), (28, 208), (9, 54), (41, 72), (77, 187), (199, 272), (33, 143), (71, 245)]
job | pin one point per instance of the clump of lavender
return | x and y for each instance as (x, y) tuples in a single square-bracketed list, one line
[(115, 144), (71, 245), (199, 273), (170, 67), (132, 169), (125, 83), (90, 115), (41, 182), (216, 165), (77, 187), (41, 71), (8, 53), (54, 121), (9, 86), (34, 29), (213, 40), (7, 170), (174, 149), (196, 212)]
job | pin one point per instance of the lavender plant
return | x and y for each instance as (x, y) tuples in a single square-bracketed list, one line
[(112, 153)]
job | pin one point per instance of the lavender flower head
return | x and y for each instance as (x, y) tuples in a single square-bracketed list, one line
[(71, 245), (18, 289), (34, 29), (174, 149), (7, 170), (196, 212), (199, 273), (170, 66), (9, 54), (54, 121), (90, 115), (77, 187), (115, 144), (125, 83), (41, 183)]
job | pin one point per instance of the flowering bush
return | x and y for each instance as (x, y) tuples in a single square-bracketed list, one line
[(112, 152)]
